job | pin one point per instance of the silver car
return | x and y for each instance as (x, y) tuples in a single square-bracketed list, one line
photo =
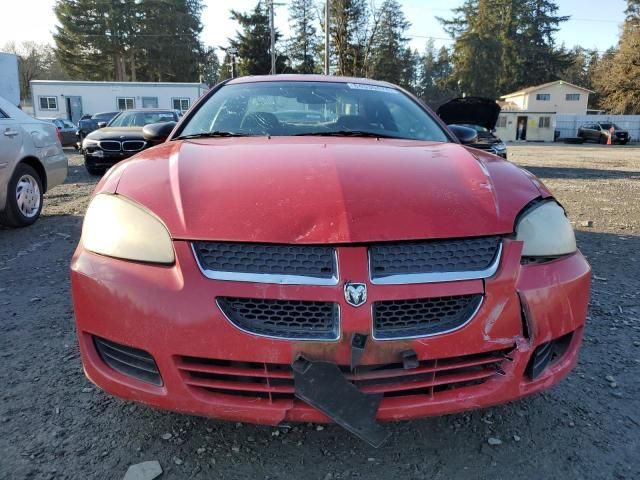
[(31, 162)]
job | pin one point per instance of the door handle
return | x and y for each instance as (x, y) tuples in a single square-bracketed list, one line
[(10, 133)]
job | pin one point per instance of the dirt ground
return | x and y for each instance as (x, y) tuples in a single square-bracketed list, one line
[(55, 424)]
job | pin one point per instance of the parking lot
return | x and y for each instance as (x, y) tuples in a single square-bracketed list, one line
[(55, 424)]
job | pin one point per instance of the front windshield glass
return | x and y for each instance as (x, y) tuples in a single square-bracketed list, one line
[(607, 126), (140, 119), (312, 108)]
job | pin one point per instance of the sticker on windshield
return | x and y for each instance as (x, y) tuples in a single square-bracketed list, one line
[(376, 88)]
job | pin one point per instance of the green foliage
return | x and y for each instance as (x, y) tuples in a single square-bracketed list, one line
[(503, 45), (304, 46), (130, 39), (618, 77), (254, 42)]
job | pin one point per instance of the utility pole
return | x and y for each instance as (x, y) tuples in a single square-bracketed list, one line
[(326, 37), (233, 52), (273, 38)]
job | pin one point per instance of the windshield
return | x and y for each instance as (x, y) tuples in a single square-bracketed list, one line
[(312, 108), (140, 119), (607, 126)]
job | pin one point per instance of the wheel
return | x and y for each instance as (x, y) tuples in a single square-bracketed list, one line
[(624, 142), (92, 169), (24, 197)]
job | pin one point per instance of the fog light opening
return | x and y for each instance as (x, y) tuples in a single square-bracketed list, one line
[(128, 361), (547, 354)]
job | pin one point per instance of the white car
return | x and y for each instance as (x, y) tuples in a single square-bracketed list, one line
[(31, 162)]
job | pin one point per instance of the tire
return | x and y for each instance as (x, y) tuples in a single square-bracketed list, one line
[(24, 197), (624, 142)]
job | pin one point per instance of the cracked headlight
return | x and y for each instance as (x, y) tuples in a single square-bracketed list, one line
[(546, 231), (117, 227)]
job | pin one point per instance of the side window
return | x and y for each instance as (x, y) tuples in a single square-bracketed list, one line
[(3, 115), (126, 103), (48, 103), (544, 97), (544, 122), (181, 104), (572, 97)]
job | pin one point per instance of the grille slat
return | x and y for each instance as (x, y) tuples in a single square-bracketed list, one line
[(414, 262), (293, 319), (129, 361), (267, 263), (421, 317), (275, 382)]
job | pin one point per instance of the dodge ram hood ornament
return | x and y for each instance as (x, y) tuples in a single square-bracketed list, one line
[(355, 293)]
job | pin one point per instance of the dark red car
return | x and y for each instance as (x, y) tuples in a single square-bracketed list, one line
[(307, 248)]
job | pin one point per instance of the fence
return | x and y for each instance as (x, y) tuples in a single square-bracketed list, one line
[(568, 124)]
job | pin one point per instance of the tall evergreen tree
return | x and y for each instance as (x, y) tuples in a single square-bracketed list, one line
[(304, 45), (254, 42), (350, 34), (619, 81), (503, 45), (391, 56), (130, 39)]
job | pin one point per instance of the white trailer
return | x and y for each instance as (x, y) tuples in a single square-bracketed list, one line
[(9, 80), (72, 99)]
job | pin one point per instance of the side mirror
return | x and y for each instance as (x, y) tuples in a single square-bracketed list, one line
[(466, 135), (102, 124), (157, 132)]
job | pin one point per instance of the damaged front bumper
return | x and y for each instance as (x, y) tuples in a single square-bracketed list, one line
[(208, 367)]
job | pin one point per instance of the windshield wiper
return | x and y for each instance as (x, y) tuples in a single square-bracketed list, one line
[(216, 133), (347, 133)]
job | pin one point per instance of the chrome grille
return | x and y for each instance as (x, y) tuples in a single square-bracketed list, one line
[(293, 319), (132, 145), (422, 317), (301, 264), (434, 260), (110, 145)]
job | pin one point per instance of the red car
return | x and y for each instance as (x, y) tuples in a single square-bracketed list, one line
[(313, 249)]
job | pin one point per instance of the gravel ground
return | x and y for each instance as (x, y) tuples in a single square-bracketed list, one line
[(55, 424)]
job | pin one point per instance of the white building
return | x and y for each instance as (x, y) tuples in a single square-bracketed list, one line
[(558, 97), (9, 81), (72, 99)]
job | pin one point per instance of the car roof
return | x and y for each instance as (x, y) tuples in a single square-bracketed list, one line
[(309, 78)]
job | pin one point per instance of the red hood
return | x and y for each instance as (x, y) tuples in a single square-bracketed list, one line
[(329, 190)]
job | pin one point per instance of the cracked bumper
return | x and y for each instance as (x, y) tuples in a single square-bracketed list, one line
[(171, 313)]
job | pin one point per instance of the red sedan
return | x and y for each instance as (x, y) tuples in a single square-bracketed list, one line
[(312, 249)]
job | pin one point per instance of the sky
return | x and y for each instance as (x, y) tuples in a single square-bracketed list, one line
[(591, 25)]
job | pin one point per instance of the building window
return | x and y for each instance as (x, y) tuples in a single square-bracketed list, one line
[(126, 103), (502, 122), (181, 104), (544, 122), (572, 97), (48, 103), (149, 102), (543, 97)]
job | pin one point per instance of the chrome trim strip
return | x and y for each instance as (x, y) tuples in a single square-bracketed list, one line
[(411, 278), (301, 339), (471, 317), (269, 277)]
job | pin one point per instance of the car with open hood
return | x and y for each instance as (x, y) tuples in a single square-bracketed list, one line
[(121, 138), (357, 264), (480, 114)]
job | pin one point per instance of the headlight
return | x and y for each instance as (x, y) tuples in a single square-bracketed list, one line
[(546, 232), (87, 142), (500, 147), (117, 227)]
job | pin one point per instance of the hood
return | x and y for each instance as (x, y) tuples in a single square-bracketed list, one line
[(333, 190), (471, 110), (116, 133)]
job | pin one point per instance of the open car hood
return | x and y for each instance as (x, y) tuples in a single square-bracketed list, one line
[(472, 110)]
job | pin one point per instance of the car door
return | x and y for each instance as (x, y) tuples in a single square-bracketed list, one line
[(10, 146), (592, 132)]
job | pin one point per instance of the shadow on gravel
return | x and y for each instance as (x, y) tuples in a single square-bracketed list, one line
[(581, 173)]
